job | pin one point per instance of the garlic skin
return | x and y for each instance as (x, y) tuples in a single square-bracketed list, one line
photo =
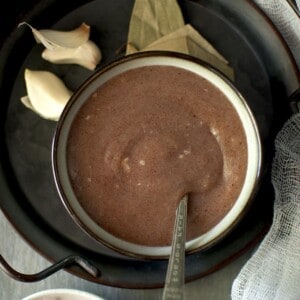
[(88, 55), (52, 39), (47, 94)]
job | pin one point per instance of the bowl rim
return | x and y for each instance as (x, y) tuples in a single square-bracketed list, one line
[(146, 252), (62, 292)]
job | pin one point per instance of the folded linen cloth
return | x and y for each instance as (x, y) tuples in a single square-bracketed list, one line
[(273, 272)]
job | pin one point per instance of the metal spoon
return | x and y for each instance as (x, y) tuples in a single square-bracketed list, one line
[(174, 284)]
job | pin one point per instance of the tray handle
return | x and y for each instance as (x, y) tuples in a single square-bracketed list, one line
[(295, 101), (62, 264)]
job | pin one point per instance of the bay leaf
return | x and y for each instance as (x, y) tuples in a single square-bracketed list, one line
[(189, 41), (151, 20)]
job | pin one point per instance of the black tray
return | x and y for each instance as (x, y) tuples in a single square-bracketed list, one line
[(265, 74)]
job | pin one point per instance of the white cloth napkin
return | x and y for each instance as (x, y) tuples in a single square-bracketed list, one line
[(273, 272)]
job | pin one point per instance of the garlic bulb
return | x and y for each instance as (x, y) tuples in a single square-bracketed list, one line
[(47, 94), (87, 55), (68, 47)]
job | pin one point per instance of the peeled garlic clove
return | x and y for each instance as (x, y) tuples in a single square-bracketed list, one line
[(87, 55), (47, 94), (52, 39), (26, 101)]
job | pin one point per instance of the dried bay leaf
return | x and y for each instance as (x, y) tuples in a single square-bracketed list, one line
[(151, 20), (189, 41), (159, 25)]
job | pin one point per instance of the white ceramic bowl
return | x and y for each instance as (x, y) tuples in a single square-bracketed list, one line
[(62, 294), (163, 59)]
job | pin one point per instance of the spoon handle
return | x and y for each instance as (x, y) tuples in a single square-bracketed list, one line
[(174, 283)]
